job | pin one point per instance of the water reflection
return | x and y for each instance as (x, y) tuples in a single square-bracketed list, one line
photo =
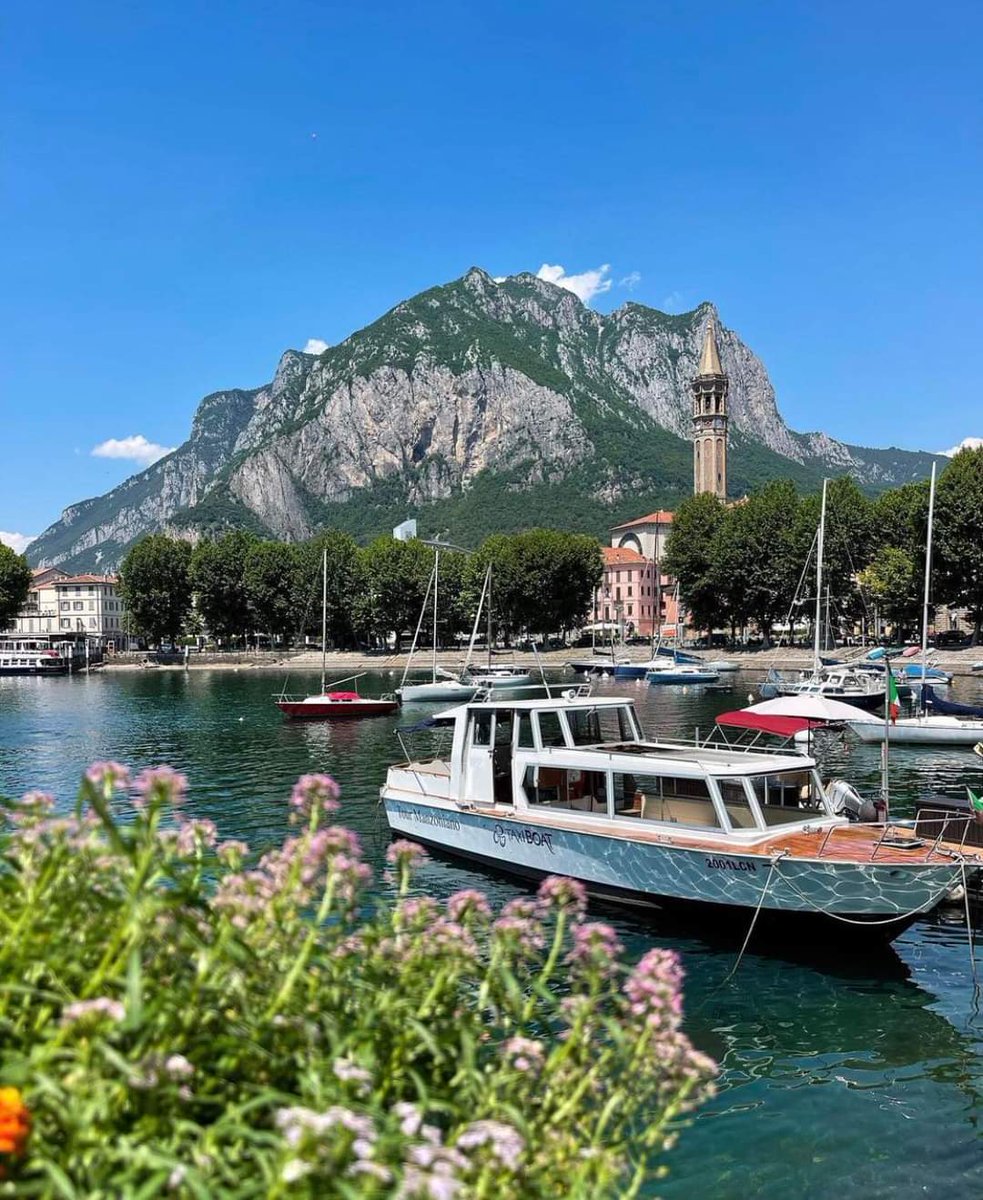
[(841, 1077)]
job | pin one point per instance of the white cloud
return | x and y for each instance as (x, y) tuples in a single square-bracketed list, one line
[(631, 280), (673, 300), (315, 346), (586, 285), (136, 448), (968, 443), (17, 541)]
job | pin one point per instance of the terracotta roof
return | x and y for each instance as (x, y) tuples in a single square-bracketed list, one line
[(621, 555), (75, 579), (657, 518)]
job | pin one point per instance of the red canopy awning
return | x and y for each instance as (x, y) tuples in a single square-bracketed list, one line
[(766, 722)]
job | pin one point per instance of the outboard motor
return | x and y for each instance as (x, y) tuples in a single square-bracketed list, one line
[(848, 802)]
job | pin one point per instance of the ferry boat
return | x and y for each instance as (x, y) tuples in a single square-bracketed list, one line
[(28, 658), (569, 785)]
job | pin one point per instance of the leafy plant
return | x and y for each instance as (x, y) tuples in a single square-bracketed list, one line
[(179, 1018)]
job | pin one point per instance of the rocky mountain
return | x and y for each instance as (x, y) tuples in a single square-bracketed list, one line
[(478, 405)]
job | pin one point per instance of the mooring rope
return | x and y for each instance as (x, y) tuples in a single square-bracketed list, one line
[(754, 919)]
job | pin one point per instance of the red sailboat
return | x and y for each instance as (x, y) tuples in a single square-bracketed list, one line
[(333, 705)]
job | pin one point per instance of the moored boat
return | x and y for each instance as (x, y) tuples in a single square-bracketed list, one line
[(32, 660), (335, 706), (569, 785), (668, 672)]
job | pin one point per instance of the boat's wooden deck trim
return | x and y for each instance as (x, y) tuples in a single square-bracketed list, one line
[(847, 843)]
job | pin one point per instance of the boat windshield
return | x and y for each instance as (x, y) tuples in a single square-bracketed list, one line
[(593, 726), (788, 796)]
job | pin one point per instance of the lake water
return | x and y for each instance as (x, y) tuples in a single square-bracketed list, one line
[(838, 1079)]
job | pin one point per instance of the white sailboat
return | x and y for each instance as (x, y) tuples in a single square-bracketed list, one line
[(443, 685), (863, 688), (925, 728), (493, 675)]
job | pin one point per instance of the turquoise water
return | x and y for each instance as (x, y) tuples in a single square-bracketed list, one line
[(851, 1078)]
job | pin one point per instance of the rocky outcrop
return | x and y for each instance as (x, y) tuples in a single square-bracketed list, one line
[(474, 378)]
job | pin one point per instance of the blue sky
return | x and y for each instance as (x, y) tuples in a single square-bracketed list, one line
[(189, 189)]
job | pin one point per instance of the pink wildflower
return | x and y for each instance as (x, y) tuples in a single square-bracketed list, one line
[(504, 1141), (109, 776), (404, 853), (193, 835), (232, 852), (469, 903), (557, 891), (653, 990), (161, 784), (594, 945), (102, 1007), (523, 1053), (522, 933), (315, 792)]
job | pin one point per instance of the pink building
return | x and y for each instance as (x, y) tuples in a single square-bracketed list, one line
[(634, 596)]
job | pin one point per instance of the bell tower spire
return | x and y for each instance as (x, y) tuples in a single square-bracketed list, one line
[(710, 419)]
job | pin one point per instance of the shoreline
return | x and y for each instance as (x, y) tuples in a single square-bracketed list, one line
[(959, 662)]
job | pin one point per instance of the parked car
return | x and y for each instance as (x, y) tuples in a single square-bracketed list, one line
[(951, 639)]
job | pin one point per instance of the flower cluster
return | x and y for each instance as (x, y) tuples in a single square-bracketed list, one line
[(258, 1021)]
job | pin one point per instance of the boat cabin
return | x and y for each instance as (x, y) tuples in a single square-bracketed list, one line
[(574, 756)]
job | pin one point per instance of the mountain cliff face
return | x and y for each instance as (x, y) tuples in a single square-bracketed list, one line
[(485, 404)]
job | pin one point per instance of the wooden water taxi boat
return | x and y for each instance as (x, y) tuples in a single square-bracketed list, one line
[(569, 785)]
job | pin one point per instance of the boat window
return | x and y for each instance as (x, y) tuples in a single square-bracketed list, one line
[(737, 804), (550, 730), (790, 796), (568, 788), (482, 731), (593, 726), (524, 739), (667, 798)]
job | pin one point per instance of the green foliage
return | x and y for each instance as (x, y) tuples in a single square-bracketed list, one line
[(15, 581), (893, 581), (181, 1019), (276, 587), (217, 575), (155, 584), (959, 534), (346, 584), (396, 575), (690, 558)]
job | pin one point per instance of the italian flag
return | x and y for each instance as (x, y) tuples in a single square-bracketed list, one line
[(893, 706)]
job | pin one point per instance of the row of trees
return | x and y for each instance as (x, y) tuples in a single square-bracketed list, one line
[(746, 563), (543, 581), (15, 580)]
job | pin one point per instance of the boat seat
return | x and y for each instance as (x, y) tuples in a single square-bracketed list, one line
[(680, 812)]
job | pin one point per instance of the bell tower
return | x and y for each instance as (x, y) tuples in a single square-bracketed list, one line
[(710, 420)]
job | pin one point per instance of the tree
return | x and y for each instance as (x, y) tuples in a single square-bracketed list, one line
[(15, 581), (892, 580), (275, 588), (346, 580), (218, 579), (155, 583), (756, 557), (396, 575), (690, 557), (958, 522)]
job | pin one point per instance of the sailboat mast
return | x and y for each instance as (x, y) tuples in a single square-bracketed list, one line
[(928, 584), (819, 581), (489, 616), (436, 577), (324, 617)]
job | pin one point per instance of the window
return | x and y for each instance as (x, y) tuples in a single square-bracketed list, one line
[(77, 605), (482, 729), (590, 726), (567, 788), (736, 803), (791, 796), (524, 739), (664, 798), (550, 730), (65, 605)]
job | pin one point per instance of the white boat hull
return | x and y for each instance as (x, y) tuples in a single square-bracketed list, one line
[(922, 731), (439, 691), (500, 681), (658, 872)]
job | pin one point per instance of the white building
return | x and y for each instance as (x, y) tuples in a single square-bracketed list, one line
[(75, 605)]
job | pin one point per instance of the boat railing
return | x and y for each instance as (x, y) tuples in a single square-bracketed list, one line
[(910, 835)]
